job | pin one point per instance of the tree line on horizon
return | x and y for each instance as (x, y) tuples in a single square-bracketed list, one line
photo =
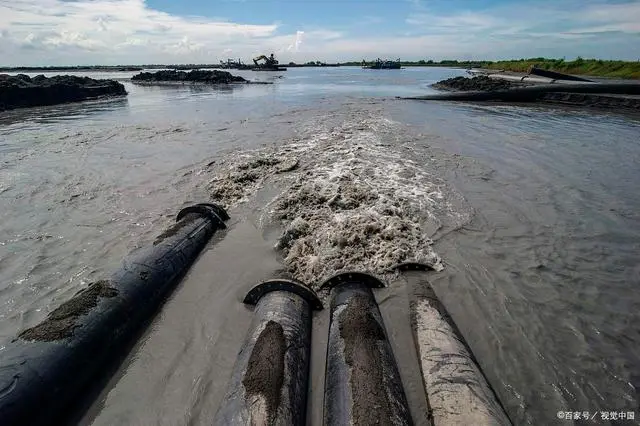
[(595, 67)]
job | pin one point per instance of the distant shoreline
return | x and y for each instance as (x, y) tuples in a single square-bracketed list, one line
[(72, 68), (580, 66), (124, 68)]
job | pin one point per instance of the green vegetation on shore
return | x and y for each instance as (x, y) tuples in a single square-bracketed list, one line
[(429, 63), (594, 67)]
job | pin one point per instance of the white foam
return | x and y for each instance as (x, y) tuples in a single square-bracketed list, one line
[(355, 201)]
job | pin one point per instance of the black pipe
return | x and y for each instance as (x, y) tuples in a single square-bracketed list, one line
[(269, 381), (532, 93), (46, 370), (555, 75), (362, 381)]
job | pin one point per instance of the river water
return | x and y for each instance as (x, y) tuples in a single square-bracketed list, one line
[(530, 214)]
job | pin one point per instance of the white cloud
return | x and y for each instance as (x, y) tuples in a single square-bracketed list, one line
[(573, 17), (325, 34), (133, 41), (59, 32), (620, 12), (462, 20), (185, 45), (115, 31), (297, 42), (542, 28), (623, 18)]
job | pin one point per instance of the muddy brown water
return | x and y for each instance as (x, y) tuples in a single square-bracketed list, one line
[(532, 212)]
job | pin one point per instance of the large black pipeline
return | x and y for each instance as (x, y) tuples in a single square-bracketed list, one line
[(269, 382), (362, 381), (555, 75), (46, 369), (532, 93)]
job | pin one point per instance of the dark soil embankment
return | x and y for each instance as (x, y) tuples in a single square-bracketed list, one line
[(622, 96), (604, 101), (195, 76), (22, 91), (483, 83)]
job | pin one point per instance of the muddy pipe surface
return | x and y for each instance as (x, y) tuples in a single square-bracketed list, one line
[(269, 382), (362, 382), (525, 79), (458, 391), (46, 370)]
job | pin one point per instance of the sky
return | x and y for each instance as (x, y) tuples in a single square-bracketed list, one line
[(113, 32)]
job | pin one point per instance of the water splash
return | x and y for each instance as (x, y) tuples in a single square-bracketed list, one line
[(353, 201)]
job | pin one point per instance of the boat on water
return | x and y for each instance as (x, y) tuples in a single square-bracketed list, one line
[(264, 63), (236, 65), (380, 64)]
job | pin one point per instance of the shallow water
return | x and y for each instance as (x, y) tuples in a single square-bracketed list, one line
[(533, 212)]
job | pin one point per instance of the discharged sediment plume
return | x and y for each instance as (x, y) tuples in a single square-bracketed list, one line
[(350, 199)]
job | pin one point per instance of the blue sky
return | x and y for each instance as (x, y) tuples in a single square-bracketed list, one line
[(59, 32)]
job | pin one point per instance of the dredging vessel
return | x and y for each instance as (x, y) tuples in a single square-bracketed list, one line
[(382, 64), (264, 63)]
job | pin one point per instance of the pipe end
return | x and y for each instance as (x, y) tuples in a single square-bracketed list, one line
[(349, 277), (412, 266), (280, 284), (213, 211)]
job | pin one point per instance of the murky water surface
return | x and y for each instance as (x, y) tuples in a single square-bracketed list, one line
[(531, 213)]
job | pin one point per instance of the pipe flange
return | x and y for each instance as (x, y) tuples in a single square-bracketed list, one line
[(349, 277), (218, 209), (412, 266), (214, 212), (280, 284)]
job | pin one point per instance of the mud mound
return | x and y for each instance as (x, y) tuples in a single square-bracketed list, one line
[(482, 83), (22, 91), (595, 100), (195, 76)]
